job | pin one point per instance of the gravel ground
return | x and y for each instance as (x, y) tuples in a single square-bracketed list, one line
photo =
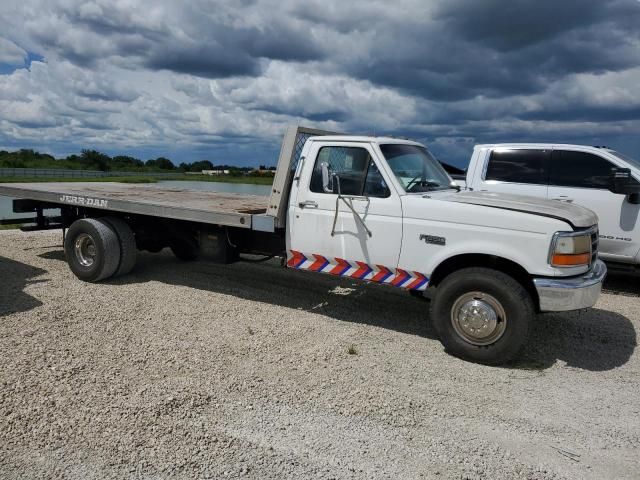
[(224, 371)]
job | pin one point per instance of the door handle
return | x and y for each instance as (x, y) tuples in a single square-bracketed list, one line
[(308, 204), (563, 198)]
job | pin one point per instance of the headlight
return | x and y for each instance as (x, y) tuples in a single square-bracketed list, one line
[(569, 249)]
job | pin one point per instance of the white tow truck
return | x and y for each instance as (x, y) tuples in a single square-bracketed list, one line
[(373, 209)]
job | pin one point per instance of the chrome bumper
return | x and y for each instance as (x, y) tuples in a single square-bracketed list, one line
[(562, 294)]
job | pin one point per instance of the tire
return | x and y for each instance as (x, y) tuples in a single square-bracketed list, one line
[(185, 249), (128, 249), (480, 335), (92, 249)]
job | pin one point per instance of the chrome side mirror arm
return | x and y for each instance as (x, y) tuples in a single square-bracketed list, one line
[(344, 199)]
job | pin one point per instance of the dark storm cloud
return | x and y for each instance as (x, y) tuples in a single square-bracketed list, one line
[(192, 40), (549, 37), (585, 114), (40, 122), (231, 51), (203, 61), (496, 48), (430, 61), (512, 25)]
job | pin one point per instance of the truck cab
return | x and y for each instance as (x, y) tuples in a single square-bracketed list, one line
[(600, 179), (384, 210)]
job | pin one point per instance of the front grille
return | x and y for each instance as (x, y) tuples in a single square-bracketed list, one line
[(594, 246)]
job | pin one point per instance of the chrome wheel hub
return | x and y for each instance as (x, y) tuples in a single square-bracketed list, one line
[(478, 318), (85, 250)]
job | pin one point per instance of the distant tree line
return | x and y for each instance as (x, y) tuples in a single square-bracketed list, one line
[(94, 160)]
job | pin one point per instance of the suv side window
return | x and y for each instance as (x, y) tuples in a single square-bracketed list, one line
[(579, 169), (518, 166), (358, 174)]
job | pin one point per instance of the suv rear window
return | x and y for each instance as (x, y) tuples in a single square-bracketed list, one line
[(518, 166)]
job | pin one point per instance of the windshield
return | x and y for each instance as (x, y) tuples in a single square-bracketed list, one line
[(415, 168), (635, 163)]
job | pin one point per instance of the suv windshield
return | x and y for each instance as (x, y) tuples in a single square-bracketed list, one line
[(632, 161), (415, 168)]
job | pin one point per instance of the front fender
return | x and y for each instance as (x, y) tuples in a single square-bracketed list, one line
[(533, 263), (529, 249)]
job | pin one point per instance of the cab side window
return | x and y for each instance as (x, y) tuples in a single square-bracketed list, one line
[(355, 168), (518, 166), (579, 169)]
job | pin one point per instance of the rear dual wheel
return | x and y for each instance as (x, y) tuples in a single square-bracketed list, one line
[(99, 248), (127, 241)]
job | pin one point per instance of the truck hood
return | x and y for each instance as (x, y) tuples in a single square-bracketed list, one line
[(575, 215)]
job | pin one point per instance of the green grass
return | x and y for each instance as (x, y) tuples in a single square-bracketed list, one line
[(9, 227), (144, 179)]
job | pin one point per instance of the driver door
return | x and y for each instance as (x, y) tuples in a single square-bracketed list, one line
[(365, 189)]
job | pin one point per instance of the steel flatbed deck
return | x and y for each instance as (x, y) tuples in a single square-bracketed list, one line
[(237, 210)]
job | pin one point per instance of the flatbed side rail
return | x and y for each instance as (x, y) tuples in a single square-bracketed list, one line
[(98, 202), (292, 143)]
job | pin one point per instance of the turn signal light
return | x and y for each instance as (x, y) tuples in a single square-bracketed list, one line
[(570, 260)]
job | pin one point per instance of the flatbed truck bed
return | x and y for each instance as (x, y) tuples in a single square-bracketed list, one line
[(229, 209), (150, 203)]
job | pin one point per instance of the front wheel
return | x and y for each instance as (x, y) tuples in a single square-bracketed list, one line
[(482, 315)]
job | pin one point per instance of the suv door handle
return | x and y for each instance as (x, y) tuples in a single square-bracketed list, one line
[(563, 198), (308, 204)]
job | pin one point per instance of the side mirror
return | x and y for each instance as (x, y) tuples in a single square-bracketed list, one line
[(327, 178), (634, 198), (622, 182)]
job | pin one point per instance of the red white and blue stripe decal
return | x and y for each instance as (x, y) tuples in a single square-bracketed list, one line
[(359, 270)]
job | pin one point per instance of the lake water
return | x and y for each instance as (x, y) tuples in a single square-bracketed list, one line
[(218, 187), (6, 205)]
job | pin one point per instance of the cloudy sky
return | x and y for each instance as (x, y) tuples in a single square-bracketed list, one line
[(221, 80)]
